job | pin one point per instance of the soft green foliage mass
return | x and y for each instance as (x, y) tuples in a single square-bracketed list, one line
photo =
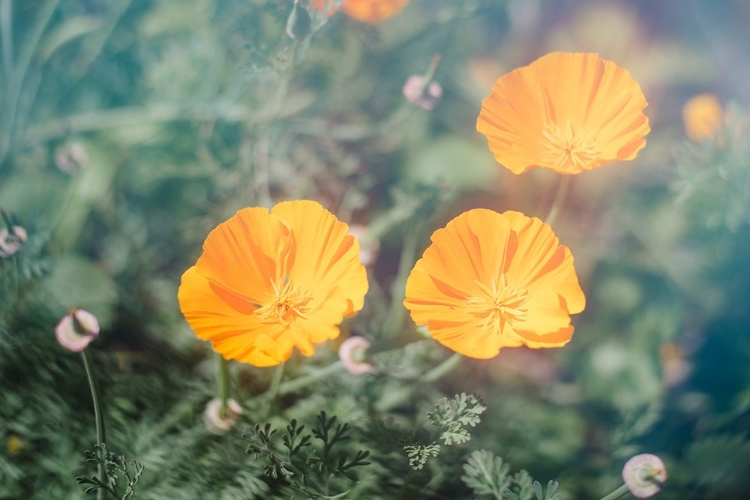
[(129, 129)]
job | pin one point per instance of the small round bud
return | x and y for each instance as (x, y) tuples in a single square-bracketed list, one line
[(11, 242), (425, 96), (218, 423), (644, 474), (76, 330), (353, 354), (71, 158), (368, 247)]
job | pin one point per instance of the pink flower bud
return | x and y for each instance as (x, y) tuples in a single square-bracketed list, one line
[(76, 330), (644, 474), (11, 243), (215, 421), (71, 158), (353, 354), (418, 94), (368, 247)]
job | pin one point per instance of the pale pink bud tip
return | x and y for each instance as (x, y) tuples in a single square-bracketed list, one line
[(76, 330), (644, 474), (71, 158), (353, 354), (11, 243), (218, 423), (423, 96), (368, 247)]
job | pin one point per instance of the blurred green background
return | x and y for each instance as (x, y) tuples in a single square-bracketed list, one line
[(130, 128)]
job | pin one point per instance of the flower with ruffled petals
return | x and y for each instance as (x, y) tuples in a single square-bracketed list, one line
[(76, 330), (353, 355), (268, 282), (703, 116), (367, 11), (492, 280), (644, 474), (567, 112)]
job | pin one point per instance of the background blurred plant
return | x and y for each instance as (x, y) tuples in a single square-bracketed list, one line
[(129, 129)]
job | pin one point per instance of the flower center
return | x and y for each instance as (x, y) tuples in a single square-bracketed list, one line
[(288, 303), (497, 304), (568, 150)]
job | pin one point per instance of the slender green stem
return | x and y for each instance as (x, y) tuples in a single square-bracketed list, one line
[(442, 369), (618, 493), (224, 383), (305, 380), (98, 416), (398, 290), (562, 193), (273, 389)]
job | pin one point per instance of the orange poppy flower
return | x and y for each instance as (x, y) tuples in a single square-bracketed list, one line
[(567, 112), (492, 280), (703, 116), (271, 281), (367, 11)]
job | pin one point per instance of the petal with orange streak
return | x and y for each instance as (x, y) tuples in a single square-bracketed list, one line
[(246, 253), (227, 322), (555, 339)]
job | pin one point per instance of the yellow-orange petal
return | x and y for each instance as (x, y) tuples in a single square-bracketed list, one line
[(246, 254), (703, 116), (230, 325), (326, 257), (567, 112), (555, 339), (491, 280), (367, 11)]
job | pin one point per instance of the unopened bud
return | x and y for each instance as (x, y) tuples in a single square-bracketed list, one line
[(218, 423), (11, 242), (644, 474), (76, 330), (353, 354)]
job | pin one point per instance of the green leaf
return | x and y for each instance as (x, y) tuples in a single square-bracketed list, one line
[(486, 474)]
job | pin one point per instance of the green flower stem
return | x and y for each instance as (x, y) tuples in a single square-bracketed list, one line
[(562, 193), (618, 493), (273, 389), (321, 373), (98, 416), (442, 369), (398, 290), (224, 383), (302, 382)]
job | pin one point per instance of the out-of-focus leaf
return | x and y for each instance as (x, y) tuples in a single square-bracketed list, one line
[(67, 32), (76, 282)]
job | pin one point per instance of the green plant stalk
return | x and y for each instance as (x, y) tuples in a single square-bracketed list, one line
[(224, 384), (398, 290), (88, 364), (273, 389), (618, 493), (562, 193), (443, 368)]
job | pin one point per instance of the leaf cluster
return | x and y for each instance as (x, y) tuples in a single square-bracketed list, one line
[(118, 471), (451, 419), (308, 462), (488, 475)]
